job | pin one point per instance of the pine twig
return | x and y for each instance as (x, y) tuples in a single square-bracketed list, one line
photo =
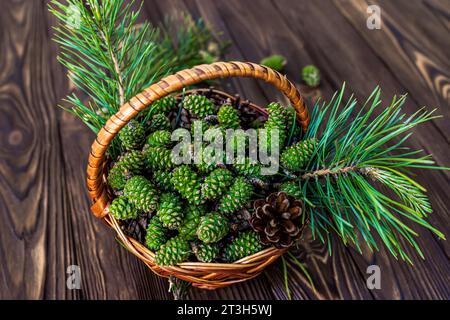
[(349, 164), (111, 57)]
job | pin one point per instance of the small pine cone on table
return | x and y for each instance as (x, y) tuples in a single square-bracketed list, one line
[(279, 219), (276, 62), (311, 75)]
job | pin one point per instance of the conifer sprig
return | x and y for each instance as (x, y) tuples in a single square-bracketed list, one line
[(358, 157), (111, 57)]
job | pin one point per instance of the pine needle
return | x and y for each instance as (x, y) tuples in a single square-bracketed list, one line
[(286, 278)]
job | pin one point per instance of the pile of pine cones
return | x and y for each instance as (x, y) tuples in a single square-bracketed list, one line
[(212, 212)]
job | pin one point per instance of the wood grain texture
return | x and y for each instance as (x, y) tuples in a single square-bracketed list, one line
[(44, 208)]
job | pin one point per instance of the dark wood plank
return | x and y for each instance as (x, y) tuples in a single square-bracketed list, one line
[(45, 211), (416, 52), (441, 12), (34, 250)]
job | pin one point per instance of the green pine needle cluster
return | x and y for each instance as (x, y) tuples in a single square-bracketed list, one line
[(349, 176), (111, 57)]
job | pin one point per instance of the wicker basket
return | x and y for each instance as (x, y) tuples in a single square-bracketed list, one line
[(203, 275)]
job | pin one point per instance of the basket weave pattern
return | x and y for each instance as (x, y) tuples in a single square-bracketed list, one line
[(203, 275)]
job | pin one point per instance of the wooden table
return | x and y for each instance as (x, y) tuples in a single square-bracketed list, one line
[(44, 209)]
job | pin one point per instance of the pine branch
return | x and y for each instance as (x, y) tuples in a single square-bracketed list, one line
[(352, 167), (111, 57)]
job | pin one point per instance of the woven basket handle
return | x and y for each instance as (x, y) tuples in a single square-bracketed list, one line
[(95, 181)]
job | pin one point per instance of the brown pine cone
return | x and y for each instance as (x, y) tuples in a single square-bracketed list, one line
[(278, 219)]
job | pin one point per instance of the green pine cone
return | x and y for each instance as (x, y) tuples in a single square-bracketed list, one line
[(311, 75), (279, 117), (157, 158), (121, 208), (205, 167), (266, 141), (216, 183), (163, 105), (187, 183), (142, 194), (118, 176), (174, 251), (159, 122), (236, 197), (132, 136), (212, 227), (205, 161), (275, 62), (133, 161), (201, 124), (228, 117), (199, 106), (160, 138), (206, 252), (293, 189), (190, 222), (245, 244), (239, 141), (248, 169), (170, 211), (163, 180), (297, 156), (156, 234)]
